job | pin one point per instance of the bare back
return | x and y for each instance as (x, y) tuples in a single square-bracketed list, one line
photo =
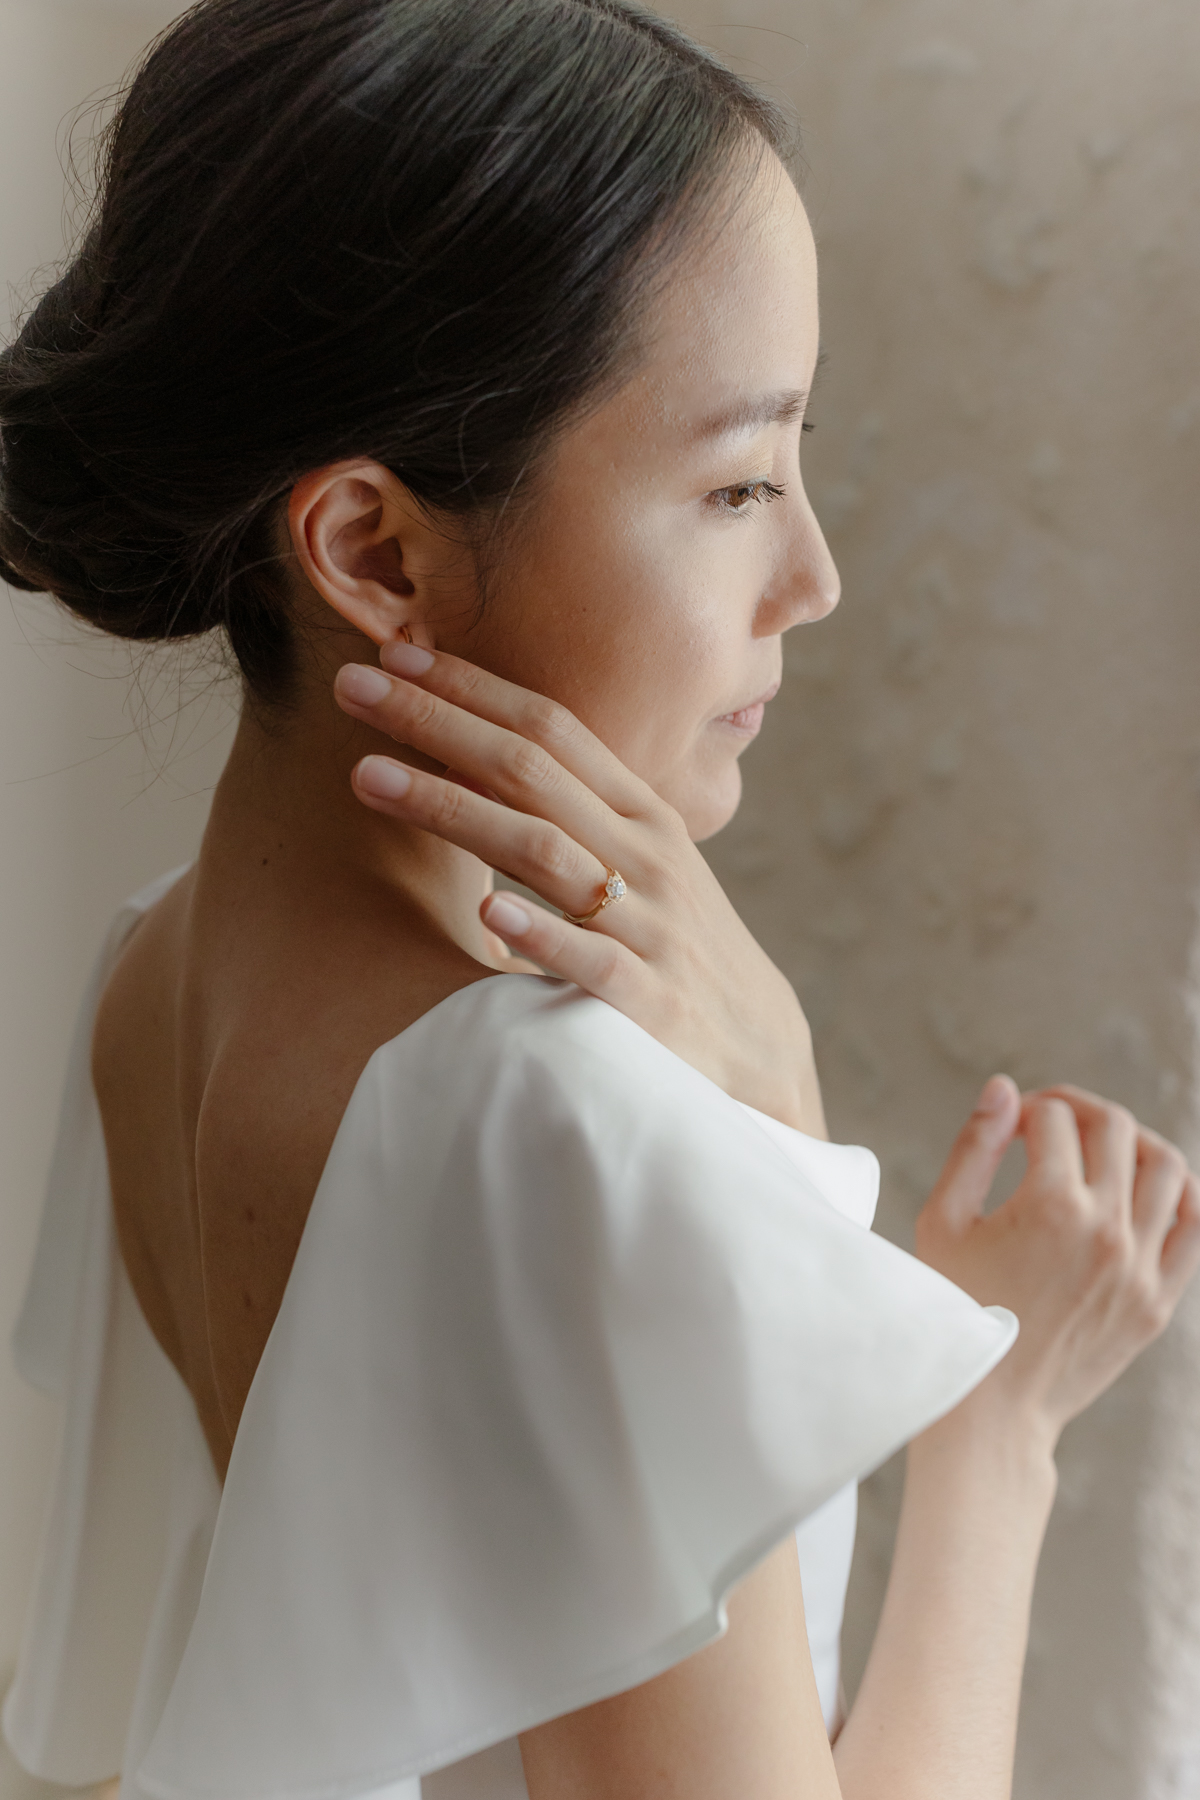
[(227, 1046)]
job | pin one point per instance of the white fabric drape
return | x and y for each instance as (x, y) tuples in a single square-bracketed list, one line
[(571, 1340)]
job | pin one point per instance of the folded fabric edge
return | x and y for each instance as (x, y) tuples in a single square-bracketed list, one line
[(705, 1629)]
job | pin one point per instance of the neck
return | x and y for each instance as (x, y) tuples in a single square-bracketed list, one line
[(284, 804)]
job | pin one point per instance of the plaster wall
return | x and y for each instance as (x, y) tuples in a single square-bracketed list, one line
[(104, 773), (970, 826)]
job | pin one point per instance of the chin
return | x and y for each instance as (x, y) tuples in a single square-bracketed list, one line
[(708, 806)]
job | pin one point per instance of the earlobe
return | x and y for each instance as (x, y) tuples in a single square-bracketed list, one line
[(349, 527)]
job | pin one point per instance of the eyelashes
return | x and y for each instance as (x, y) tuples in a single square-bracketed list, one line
[(744, 494)]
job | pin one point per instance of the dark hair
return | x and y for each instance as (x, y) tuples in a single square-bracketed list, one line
[(414, 230)]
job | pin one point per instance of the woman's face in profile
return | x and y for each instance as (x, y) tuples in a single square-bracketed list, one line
[(672, 542)]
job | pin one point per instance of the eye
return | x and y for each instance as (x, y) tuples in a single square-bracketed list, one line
[(743, 494)]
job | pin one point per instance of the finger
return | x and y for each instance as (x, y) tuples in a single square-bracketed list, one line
[(1108, 1135), (533, 851), (1158, 1188), (966, 1180), (597, 963), (476, 787), (524, 775), (531, 716), (1051, 1136), (1181, 1247)]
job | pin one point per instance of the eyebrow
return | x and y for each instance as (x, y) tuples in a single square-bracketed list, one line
[(754, 411)]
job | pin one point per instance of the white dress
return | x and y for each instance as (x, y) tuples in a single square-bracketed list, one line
[(571, 1340)]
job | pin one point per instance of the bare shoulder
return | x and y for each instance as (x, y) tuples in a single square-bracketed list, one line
[(228, 1042), (131, 1002)]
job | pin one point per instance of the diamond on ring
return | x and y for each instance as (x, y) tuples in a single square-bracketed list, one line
[(614, 890)]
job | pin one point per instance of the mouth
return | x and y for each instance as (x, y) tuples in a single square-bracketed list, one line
[(747, 720)]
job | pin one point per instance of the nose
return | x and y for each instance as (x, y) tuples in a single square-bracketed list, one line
[(806, 585)]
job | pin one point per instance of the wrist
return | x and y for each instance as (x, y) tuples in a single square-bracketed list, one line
[(785, 1088), (798, 1104), (989, 1438), (806, 1109)]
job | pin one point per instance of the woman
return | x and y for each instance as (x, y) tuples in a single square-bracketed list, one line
[(475, 1336)]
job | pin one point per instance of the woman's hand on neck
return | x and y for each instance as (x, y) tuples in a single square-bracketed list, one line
[(285, 807)]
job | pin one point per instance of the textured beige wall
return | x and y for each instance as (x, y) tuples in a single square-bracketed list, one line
[(970, 826), (85, 814)]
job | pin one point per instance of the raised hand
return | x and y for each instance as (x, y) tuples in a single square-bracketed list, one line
[(544, 801), (1092, 1251)]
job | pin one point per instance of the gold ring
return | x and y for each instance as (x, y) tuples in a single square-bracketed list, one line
[(614, 890)]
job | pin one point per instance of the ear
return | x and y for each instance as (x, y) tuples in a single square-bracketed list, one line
[(366, 547)]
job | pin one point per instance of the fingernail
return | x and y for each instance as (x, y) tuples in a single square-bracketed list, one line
[(385, 779), (362, 685), (407, 659), (994, 1095), (506, 918)]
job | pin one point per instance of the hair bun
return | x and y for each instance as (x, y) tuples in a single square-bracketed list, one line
[(70, 520)]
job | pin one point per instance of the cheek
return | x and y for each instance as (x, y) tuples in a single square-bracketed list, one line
[(653, 665), (633, 623), (602, 609)]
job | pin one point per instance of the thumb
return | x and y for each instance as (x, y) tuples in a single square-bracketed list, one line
[(970, 1170)]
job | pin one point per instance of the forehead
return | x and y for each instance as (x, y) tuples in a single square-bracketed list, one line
[(737, 316)]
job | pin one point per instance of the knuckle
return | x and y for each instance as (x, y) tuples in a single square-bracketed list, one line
[(608, 963), (1159, 1154), (1053, 1106), (649, 813), (421, 709), (552, 854), (1066, 1206), (446, 805), (1121, 1120), (551, 724), (1177, 1164), (1112, 1244), (1151, 1307), (468, 679), (526, 765), (667, 822)]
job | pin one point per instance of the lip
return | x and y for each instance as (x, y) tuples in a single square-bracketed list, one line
[(747, 720)]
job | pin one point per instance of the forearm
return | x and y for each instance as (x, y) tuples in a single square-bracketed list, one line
[(937, 1711)]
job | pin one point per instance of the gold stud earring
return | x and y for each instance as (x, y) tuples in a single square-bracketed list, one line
[(405, 635)]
